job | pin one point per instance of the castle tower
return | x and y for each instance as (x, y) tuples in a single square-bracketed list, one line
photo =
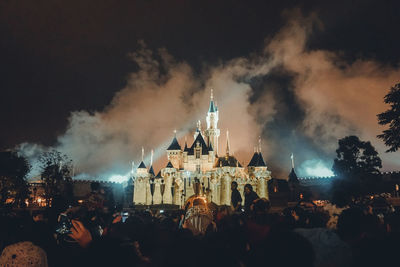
[(212, 133), (174, 152)]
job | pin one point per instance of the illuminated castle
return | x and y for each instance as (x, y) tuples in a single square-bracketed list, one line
[(200, 169)]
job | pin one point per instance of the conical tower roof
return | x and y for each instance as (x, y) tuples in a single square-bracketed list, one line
[(210, 147), (169, 165), (174, 145), (212, 107), (151, 171), (254, 160), (261, 162), (257, 160), (293, 177), (142, 165), (202, 143)]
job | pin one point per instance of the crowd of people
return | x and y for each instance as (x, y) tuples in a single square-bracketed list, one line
[(343, 232)]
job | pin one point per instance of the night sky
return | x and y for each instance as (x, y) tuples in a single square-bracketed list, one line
[(57, 57)]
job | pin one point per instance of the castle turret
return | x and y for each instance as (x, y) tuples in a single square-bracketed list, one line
[(169, 174), (141, 181), (257, 168), (212, 133), (174, 153), (142, 169)]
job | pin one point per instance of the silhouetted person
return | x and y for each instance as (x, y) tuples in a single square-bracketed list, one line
[(249, 197), (236, 199), (95, 199)]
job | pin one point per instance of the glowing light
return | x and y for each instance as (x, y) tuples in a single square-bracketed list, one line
[(80, 201), (316, 168), (118, 178)]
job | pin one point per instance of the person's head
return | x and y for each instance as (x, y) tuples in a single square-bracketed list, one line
[(393, 222), (224, 211), (318, 219), (350, 222), (234, 185), (23, 254), (37, 216), (261, 205), (278, 245), (340, 198), (248, 189)]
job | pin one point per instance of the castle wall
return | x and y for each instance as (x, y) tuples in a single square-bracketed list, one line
[(220, 186)]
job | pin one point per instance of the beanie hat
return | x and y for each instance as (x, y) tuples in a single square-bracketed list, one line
[(23, 254)]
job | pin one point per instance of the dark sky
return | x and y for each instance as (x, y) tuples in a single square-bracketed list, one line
[(60, 56)]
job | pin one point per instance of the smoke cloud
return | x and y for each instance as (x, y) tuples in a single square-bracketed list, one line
[(298, 100), (338, 98)]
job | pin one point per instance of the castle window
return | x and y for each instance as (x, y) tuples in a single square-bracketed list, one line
[(197, 168), (197, 153)]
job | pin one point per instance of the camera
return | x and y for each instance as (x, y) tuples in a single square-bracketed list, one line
[(64, 225)]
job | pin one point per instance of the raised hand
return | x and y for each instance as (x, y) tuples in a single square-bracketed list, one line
[(80, 234)]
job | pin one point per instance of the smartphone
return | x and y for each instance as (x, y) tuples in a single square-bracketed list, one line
[(124, 216)]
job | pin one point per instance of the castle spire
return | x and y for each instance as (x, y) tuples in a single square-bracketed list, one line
[(142, 153), (259, 144), (227, 142), (151, 159), (212, 105), (292, 158)]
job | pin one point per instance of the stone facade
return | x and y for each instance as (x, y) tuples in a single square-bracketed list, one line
[(199, 170)]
